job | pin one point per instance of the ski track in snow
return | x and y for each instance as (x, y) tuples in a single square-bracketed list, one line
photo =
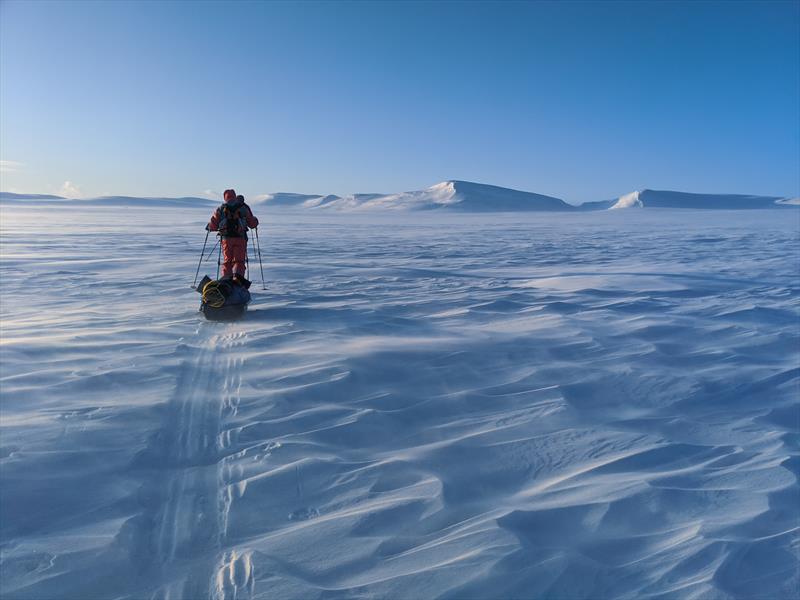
[(560, 406), (191, 523)]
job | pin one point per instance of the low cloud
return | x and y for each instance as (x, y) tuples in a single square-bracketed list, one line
[(70, 190), (211, 194), (10, 166)]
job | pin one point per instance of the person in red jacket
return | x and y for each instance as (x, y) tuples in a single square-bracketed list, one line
[(232, 220)]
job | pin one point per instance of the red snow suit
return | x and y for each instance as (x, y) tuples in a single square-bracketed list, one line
[(233, 235)]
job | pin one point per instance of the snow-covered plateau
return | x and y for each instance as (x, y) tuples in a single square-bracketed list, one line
[(535, 405)]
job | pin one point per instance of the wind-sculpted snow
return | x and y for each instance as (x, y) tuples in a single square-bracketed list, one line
[(546, 406)]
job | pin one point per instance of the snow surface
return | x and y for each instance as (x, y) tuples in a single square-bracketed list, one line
[(561, 405)]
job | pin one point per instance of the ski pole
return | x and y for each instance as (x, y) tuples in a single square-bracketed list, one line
[(194, 284), (260, 263), (219, 258)]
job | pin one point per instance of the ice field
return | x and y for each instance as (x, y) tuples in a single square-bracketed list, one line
[(547, 405)]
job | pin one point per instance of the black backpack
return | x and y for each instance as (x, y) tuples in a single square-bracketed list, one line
[(232, 220)]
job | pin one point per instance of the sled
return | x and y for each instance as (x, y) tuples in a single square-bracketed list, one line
[(224, 299)]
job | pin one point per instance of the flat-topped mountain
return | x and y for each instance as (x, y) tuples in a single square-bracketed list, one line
[(480, 197), (668, 199), (464, 196)]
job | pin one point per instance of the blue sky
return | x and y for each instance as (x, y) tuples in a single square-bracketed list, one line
[(584, 101)]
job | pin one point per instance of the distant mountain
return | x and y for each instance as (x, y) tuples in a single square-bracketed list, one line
[(33, 199), (187, 201), (478, 197), (289, 200), (451, 196), (466, 196), (599, 205), (667, 199), (13, 196), (463, 196)]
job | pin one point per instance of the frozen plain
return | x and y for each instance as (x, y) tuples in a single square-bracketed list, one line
[(599, 405)]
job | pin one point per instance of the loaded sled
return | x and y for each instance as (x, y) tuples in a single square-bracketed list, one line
[(224, 299)]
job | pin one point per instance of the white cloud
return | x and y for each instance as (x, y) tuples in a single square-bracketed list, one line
[(211, 194), (10, 166), (261, 198), (70, 190)]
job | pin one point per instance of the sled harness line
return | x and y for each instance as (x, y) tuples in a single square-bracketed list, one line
[(260, 264), (194, 283), (207, 257)]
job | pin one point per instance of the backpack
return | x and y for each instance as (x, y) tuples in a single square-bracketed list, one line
[(232, 221)]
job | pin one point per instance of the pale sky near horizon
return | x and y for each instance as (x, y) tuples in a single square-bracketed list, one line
[(580, 100)]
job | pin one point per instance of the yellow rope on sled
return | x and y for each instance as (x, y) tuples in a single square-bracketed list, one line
[(212, 295)]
